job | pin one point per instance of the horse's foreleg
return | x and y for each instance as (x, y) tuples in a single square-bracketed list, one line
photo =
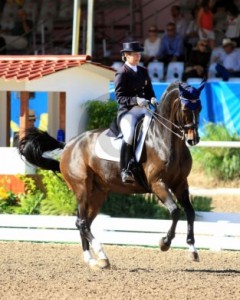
[(168, 201), (190, 214), (174, 211)]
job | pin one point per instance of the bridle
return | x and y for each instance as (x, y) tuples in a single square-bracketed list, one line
[(183, 104), (192, 105)]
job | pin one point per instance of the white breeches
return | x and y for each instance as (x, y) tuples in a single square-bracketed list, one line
[(128, 122)]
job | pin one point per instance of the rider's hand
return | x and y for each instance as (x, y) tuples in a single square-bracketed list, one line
[(154, 101), (142, 102)]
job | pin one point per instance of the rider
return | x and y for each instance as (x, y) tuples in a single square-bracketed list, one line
[(133, 88)]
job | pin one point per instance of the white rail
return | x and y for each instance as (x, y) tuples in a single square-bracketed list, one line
[(219, 144), (217, 235)]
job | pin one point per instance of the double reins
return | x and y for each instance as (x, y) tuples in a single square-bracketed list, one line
[(159, 119)]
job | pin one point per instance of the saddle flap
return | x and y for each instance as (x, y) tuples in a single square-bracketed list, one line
[(108, 147)]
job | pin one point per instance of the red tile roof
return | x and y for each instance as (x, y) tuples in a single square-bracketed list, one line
[(21, 68)]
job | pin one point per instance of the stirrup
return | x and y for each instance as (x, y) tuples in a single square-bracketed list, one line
[(127, 176)]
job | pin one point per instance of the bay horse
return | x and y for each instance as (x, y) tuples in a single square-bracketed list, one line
[(166, 166)]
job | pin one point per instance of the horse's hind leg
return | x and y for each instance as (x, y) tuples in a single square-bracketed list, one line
[(81, 224), (86, 215)]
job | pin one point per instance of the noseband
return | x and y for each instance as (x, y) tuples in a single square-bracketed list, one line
[(189, 104)]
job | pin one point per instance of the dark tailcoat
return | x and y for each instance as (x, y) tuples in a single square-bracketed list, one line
[(129, 85)]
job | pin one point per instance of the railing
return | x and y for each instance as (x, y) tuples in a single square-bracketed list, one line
[(217, 235)]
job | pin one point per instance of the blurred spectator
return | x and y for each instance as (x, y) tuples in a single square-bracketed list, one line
[(233, 24), (18, 37), (178, 19), (219, 21), (205, 23), (151, 45), (2, 4), (230, 66), (30, 124), (197, 65), (171, 48), (191, 36)]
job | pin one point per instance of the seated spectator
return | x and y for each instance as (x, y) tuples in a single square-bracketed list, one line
[(178, 19), (205, 23), (18, 37), (191, 36), (219, 21), (171, 48), (197, 65), (151, 45), (2, 4), (233, 24), (230, 66)]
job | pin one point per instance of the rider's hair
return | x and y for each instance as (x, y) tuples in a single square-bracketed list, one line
[(123, 57)]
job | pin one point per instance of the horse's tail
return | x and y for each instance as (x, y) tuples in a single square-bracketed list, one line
[(33, 145)]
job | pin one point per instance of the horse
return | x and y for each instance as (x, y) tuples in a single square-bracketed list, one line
[(166, 164)]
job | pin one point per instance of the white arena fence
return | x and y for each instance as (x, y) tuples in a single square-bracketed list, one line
[(219, 234), (219, 144)]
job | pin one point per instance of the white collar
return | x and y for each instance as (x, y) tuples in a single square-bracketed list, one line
[(134, 68)]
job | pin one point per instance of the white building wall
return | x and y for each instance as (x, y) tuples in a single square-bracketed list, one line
[(3, 118)]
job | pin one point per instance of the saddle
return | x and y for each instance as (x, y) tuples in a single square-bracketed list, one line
[(108, 147)]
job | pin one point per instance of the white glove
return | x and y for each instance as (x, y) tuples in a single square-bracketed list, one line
[(142, 102), (154, 101)]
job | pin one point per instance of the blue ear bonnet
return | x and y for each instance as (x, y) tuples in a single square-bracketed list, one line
[(189, 96), (189, 92)]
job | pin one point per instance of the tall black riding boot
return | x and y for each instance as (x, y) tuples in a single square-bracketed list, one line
[(125, 157)]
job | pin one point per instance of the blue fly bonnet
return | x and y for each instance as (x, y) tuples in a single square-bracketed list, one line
[(189, 96)]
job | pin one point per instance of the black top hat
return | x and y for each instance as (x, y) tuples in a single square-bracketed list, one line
[(132, 47)]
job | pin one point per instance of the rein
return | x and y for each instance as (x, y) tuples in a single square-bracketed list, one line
[(158, 118)]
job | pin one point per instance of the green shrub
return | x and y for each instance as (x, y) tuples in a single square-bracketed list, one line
[(100, 114), (140, 206), (134, 206), (30, 201), (8, 203), (201, 203), (59, 199), (222, 163)]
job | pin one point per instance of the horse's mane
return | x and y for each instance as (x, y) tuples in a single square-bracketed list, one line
[(168, 96)]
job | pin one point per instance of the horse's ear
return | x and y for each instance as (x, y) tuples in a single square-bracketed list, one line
[(201, 86), (181, 88)]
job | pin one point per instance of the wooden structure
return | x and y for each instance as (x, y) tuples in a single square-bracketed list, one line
[(69, 80)]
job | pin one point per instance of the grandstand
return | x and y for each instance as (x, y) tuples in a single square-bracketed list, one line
[(114, 22)]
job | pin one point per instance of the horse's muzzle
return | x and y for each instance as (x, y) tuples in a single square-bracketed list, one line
[(192, 137)]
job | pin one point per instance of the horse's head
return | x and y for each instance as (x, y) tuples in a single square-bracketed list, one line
[(188, 114)]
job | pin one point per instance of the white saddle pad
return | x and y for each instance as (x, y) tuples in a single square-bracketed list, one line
[(108, 148)]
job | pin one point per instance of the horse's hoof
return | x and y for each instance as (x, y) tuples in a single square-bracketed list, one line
[(163, 246), (193, 256), (93, 264), (103, 263)]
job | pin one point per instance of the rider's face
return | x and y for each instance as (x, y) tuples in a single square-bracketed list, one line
[(133, 58)]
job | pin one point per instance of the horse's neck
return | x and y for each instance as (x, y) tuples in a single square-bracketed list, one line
[(163, 132)]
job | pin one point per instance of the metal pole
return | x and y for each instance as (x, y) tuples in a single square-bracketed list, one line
[(90, 27), (76, 26)]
